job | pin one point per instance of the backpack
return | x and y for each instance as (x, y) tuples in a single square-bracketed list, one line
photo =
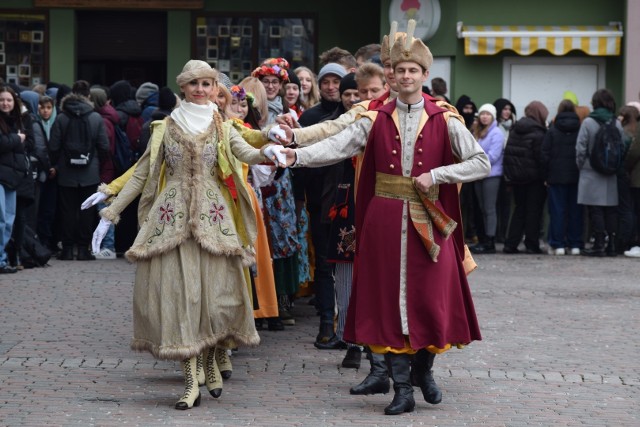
[(77, 142), (124, 157), (607, 151)]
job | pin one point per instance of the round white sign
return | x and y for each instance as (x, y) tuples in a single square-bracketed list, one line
[(425, 12)]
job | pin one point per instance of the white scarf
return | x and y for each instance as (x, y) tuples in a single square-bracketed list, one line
[(194, 118)]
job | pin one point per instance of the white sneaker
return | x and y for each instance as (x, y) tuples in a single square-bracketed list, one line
[(105, 254), (575, 251), (634, 252), (556, 251)]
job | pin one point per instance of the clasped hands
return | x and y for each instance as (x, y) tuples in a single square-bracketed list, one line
[(282, 156)]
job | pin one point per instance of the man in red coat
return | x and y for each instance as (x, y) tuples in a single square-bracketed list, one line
[(410, 296)]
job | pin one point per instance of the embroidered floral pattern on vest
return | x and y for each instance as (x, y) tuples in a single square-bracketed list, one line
[(210, 156), (217, 214), (173, 155), (166, 214)]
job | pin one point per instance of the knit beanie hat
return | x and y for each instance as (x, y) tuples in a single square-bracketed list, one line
[(99, 97), (293, 78), (120, 92), (331, 68), (144, 91), (166, 99), (488, 108), (348, 82)]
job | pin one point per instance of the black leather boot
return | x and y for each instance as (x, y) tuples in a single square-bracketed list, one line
[(378, 379), (400, 367), (84, 254), (598, 247), (422, 376)]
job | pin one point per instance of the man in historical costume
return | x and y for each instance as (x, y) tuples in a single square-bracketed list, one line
[(410, 294)]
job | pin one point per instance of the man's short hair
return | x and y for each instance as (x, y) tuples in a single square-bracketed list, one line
[(439, 86), (339, 56), (368, 51), (369, 70)]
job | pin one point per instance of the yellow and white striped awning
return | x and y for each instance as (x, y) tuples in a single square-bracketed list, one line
[(595, 40)]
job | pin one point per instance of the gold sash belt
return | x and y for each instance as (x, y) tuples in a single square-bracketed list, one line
[(425, 214)]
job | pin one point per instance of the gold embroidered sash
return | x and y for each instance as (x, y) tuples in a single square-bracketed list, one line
[(425, 214)]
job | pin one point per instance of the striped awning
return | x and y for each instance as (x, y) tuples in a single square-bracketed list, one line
[(595, 40)]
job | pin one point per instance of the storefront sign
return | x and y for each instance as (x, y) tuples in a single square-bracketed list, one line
[(121, 4)]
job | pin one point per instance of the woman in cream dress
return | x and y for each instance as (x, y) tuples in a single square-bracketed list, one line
[(193, 246)]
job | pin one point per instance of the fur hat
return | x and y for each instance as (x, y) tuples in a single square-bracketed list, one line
[(145, 90), (409, 49), (385, 47), (488, 108), (196, 69)]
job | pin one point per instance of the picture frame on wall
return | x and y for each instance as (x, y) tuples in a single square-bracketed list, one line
[(2, 58), (36, 48), (224, 65), (12, 70), (236, 30), (247, 31), (223, 31), (12, 79), (24, 70), (213, 64), (35, 81), (37, 36), (212, 53), (201, 31), (25, 36), (275, 31), (235, 77), (212, 42), (297, 31)]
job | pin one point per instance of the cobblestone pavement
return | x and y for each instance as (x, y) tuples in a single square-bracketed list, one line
[(559, 348)]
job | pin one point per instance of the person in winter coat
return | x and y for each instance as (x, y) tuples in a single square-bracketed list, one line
[(491, 139), (523, 171), (561, 172), (111, 119), (75, 183), (632, 166), (506, 119), (13, 166), (39, 155), (122, 99), (597, 191)]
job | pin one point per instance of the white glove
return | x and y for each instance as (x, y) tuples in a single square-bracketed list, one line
[(274, 150), (98, 235), (276, 131), (93, 199)]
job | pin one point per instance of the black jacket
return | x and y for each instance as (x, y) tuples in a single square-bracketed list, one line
[(523, 154), (13, 161), (78, 177), (559, 150)]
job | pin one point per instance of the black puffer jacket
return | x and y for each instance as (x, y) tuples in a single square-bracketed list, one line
[(559, 150), (13, 162), (523, 154)]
